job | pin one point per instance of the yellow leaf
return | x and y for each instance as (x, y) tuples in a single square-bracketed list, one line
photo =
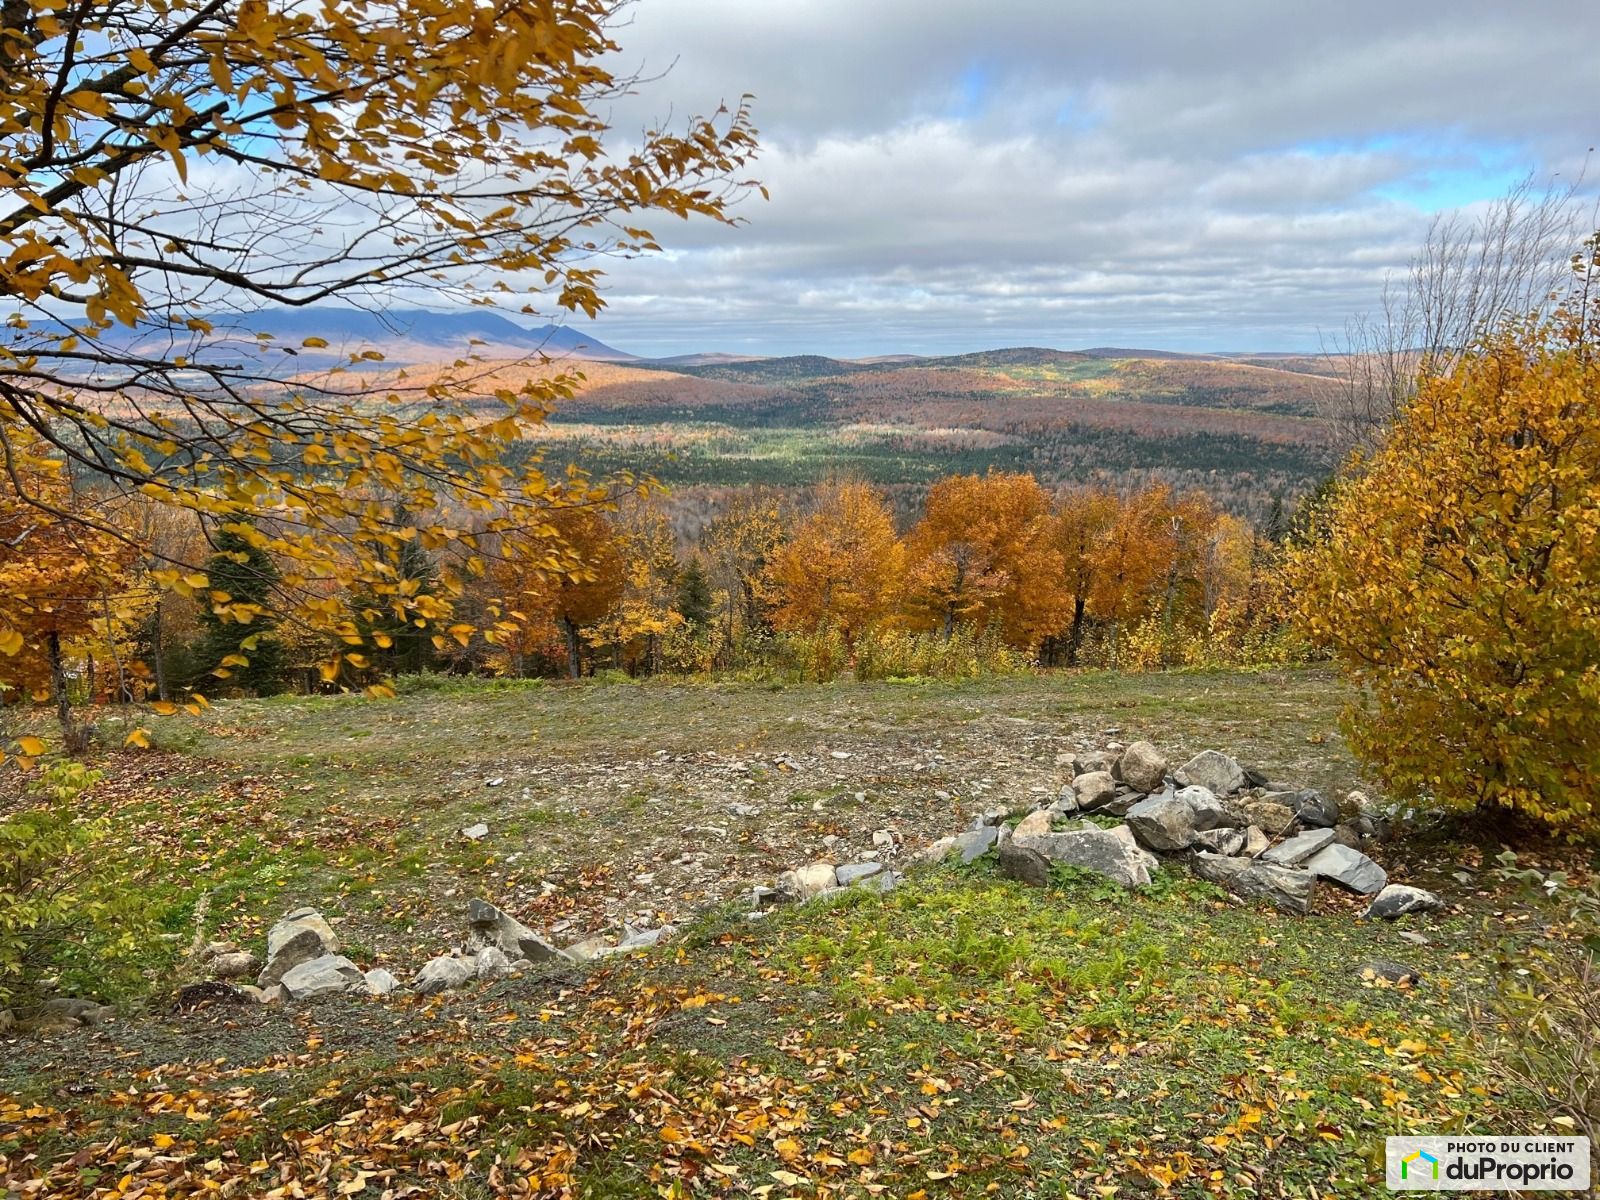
[(138, 738), (31, 746)]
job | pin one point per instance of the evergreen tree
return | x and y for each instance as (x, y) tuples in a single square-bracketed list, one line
[(410, 650), (248, 575), (694, 595)]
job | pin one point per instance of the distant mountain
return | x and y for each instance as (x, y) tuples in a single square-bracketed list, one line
[(420, 329)]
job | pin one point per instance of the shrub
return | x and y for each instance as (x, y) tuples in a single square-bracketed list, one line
[(61, 902), (1456, 578)]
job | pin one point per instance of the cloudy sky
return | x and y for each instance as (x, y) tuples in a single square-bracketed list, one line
[(962, 174)]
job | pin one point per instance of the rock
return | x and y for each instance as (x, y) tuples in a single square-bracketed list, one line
[(475, 833), (441, 974), (380, 982), (217, 949), (1255, 842), (883, 881), (325, 975), (1372, 825), (1211, 813), (1396, 973), (8, 1020), (1091, 762), (1094, 790), (1163, 822), (1107, 852), (490, 964), (251, 993), (1295, 850), (1347, 835), (1034, 823), (1024, 863), (1397, 900), (883, 838), (299, 937), (589, 949), (1120, 804), (79, 1011), (1274, 819), (491, 927), (1226, 842), (1415, 938), (1066, 803), (761, 897), (852, 873), (1350, 869), (975, 842), (234, 965), (1288, 888), (802, 883), (634, 938), (1213, 770), (1314, 810), (1143, 767), (989, 816)]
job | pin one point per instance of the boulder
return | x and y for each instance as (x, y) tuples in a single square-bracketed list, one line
[(1213, 770), (935, 851), (1314, 810), (1036, 822), (883, 881), (1091, 762), (1143, 767), (234, 964), (1255, 842), (1288, 888), (853, 873), (325, 975), (1393, 972), (761, 897), (491, 927), (1347, 835), (1162, 822), (589, 949), (380, 982), (490, 964), (1274, 819), (1024, 863), (1108, 852), (1226, 842), (1066, 803), (1094, 790), (1294, 851), (298, 938), (1350, 869), (8, 1020), (1211, 813), (441, 974), (975, 842), (1397, 900)]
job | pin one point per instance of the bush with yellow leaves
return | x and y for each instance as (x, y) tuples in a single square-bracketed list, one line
[(1456, 578)]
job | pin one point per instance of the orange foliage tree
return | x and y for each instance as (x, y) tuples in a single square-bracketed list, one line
[(842, 568)]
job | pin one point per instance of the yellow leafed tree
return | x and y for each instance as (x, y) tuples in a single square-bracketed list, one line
[(1456, 578), (842, 568)]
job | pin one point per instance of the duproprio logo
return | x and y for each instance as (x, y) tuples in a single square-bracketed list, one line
[(1418, 1157)]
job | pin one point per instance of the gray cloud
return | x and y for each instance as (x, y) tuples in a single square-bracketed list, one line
[(1239, 174)]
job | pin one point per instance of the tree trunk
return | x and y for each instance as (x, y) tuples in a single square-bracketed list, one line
[(1075, 637), (574, 649)]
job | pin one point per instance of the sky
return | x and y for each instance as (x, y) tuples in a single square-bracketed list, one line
[(952, 175)]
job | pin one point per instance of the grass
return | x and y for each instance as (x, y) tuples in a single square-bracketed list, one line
[(961, 1036)]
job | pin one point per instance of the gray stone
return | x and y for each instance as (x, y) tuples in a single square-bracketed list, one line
[(1415, 938), (1397, 900), (1288, 888), (441, 974), (976, 842), (1091, 762), (1295, 850), (1220, 841), (883, 881), (475, 833), (936, 851), (1094, 790), (325, 975), (72, 1007), (490, 964), (589, 949), (1024, 863), (1143, 767), (1162, 822), (1107, 852), (1213, 770), (380, 982), (764, 897), (1120, 804), (852, 873), (802, 883), (1210, 812), (1396, 973), (299, 937), (491, 927), (8, 1020), (1347, 835), (234, 965), (1350, 869), (1066, 803), (634, 938), (251, 993), (1255, 842)]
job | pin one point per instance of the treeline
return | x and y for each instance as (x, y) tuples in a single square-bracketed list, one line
[(993, 573)]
